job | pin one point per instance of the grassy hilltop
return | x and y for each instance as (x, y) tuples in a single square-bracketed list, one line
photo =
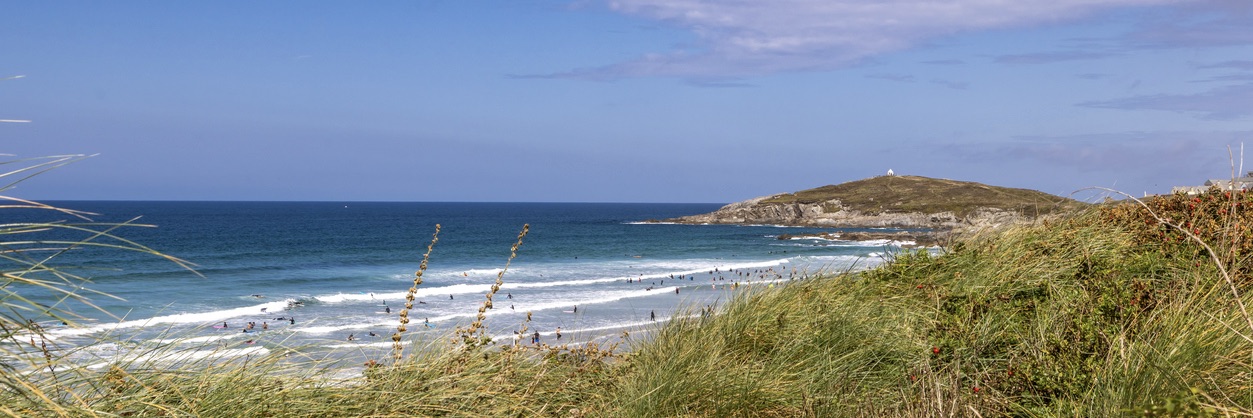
[(1122, 310), (899, 194), (893, 201)]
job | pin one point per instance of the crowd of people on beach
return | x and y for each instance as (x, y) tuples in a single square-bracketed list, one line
[(717, 278), (718, 275)]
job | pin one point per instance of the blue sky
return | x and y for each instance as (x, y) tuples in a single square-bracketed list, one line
[(618, 101)]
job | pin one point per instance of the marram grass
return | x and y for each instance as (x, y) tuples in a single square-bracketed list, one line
[(1104, 313)]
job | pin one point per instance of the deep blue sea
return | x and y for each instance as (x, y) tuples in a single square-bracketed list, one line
[(312, 273)]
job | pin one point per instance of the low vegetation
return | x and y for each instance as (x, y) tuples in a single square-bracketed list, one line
[(1127, 309)]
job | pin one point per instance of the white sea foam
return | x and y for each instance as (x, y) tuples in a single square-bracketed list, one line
[(178, 356), (655, 270), (884, 243), (374, 344), (327, 329), (175, 319), (814, 238), (856, 243), (483, 272)]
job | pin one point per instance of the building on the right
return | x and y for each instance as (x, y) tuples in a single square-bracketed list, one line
[(1244, 182)]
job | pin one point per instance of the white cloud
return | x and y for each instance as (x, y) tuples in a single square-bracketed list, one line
[(754, 37)]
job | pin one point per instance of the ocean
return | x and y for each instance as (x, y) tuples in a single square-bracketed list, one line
[(310, 274)]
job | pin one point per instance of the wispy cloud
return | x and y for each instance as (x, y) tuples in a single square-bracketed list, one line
[(739, 38), (1239, 65), (945, 62), (1198, 24), (1094, 76), (903, 78), (1220, 103), (1051, 57), (956, 85)]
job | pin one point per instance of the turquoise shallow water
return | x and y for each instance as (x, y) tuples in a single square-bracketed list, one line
[(338, 268)]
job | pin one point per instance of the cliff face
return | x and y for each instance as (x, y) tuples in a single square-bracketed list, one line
[(898, 202)]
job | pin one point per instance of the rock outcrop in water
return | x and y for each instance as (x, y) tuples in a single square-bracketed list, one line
[(892, 202)]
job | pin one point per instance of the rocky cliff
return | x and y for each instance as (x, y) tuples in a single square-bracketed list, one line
[(892, 201)]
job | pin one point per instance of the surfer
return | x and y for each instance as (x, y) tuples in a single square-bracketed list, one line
[(372, 334), (449, 297), (558, 333), (351, 337), (224, 325), (387, 309), (652, 315), (576, 309), (293, 320), (535, 338), (265, 325)]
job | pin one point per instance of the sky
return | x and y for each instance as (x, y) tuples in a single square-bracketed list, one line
[(618, 101)]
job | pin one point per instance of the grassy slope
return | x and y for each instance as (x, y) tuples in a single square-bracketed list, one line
[(897, 194), (1104, 314)]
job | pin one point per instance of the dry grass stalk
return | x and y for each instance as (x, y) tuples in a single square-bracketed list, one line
[(468, 335), (397, 347)]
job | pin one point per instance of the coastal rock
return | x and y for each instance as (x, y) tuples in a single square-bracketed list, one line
[(908, 202)]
